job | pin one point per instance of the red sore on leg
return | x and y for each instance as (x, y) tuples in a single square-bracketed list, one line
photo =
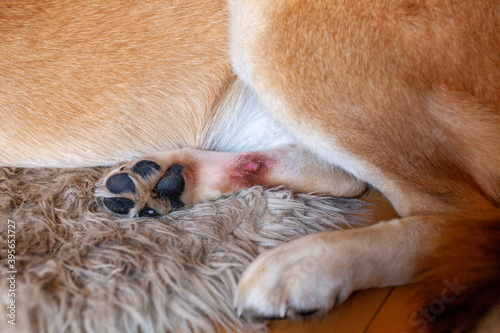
[(251, 169)]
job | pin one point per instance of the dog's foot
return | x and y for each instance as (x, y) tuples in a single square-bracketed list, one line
[(145, 188), (293, 280), (312, 274)]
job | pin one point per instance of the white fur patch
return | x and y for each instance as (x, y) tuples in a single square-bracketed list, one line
[(244, 125)]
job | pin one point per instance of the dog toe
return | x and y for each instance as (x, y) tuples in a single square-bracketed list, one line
[(263, 317), (120, 183), (146, 168), (171, 186), (121, 206), (307, 312)]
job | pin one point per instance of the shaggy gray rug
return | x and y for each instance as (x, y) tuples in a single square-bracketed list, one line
[(81, 269)]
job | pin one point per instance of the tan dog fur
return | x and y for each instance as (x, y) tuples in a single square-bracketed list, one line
[(87, 83), (403, 95)]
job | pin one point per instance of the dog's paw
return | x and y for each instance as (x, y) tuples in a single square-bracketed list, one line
[(145, 188), (300, 278)]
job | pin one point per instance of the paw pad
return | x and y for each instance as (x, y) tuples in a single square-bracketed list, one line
[(120, 183), (144, 190), (120, 206), (172, 185), (146, 168)]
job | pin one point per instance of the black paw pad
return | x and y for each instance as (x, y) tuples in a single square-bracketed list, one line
[(171, 186), (145, 168), (119, 205), (148, 212), (120, 183)]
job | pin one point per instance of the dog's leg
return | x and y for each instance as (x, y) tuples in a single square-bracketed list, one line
[(160, 182), (316, 272), (372, 87)]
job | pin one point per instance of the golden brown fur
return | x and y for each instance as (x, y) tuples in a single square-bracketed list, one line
[(468, 254), (86, 83), (414, 92), (403, 95)]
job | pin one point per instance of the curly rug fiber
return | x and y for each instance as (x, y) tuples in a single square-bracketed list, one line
[(77, 268)]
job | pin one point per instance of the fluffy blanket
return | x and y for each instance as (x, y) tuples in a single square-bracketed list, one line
[(77, 268)]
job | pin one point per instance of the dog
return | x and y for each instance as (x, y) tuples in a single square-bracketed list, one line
[(204, 98)]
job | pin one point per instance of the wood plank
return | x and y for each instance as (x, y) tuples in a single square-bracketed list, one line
[(394, 315)]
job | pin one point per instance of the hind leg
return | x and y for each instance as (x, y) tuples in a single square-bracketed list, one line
[(157, 183), (359, 86)]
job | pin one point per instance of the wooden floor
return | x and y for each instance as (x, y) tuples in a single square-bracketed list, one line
[(384, 310)]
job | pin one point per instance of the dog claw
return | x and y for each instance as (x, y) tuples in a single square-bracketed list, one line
[(269, 318), (148, 212), (282, 310), (307, 313)]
